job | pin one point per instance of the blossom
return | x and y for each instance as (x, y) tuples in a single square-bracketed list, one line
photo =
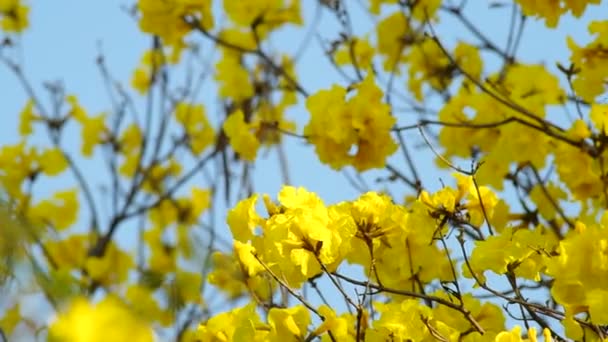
[(363, 122), (108, 320)]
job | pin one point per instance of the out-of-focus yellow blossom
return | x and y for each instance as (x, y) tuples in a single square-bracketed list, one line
[(579, 130), (26, 118), (233, 78), (17, 163), (241, 324), (270, 122), (532, 87), (10, 320), (93, 128), (376, 5), (488, 315), (196, 125), (599, 117), (187, 287), (468, 59), (363, 122), (69, 253), (243, 38), (130, 143), (392, 33), (60, 211), (424, 10), (231, 273), (111, 268), (362, 51), (580, 271), (242, 219), (141, 80), (545, 201), (529, 86), (515, 335), (227, 275), (145, 305), (158, 174), (200, 200), (342, 328), (14, 15), (480, 200), (242, 139), (163, 257), (267, 14), (108, 320), (164, 214), (151, 63), (166, 18), (578, 171), (288, 324), (402, 321), (52, 162), (552, 10), (523, 251), (591, 63)]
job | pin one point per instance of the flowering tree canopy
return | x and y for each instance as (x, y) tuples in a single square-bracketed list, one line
[(480, 177)]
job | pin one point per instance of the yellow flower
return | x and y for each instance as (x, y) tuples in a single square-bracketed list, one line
[(165, 18), (140, 80), (26, 118), (245, 254), (69, 253), (523, 251), (599, 117), (196, 125), (52, 162), (158, 175), (580, 270), (188, 287), (375, 5), (488, 315), (361, 49), (304, 234), (400, 321), (363, 123), (552, 10), (242, 140), (145, 305), (61, 211), (242, 219), (93, 128), (10, 319), (271, 14), (233, 78), (591, 62), (162, 258), (111, 268), (13, 15), (108, 320), (240, 324), (341, 327), (287, 324), (391, 33)]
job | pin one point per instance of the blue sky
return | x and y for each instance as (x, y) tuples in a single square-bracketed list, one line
[(66, 36)]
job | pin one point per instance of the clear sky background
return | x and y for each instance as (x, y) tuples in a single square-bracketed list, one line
[(66, 36)]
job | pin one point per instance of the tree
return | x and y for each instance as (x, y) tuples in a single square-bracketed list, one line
[(148, 221)]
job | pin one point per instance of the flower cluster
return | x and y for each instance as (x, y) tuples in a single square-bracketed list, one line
[(363, 122)]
